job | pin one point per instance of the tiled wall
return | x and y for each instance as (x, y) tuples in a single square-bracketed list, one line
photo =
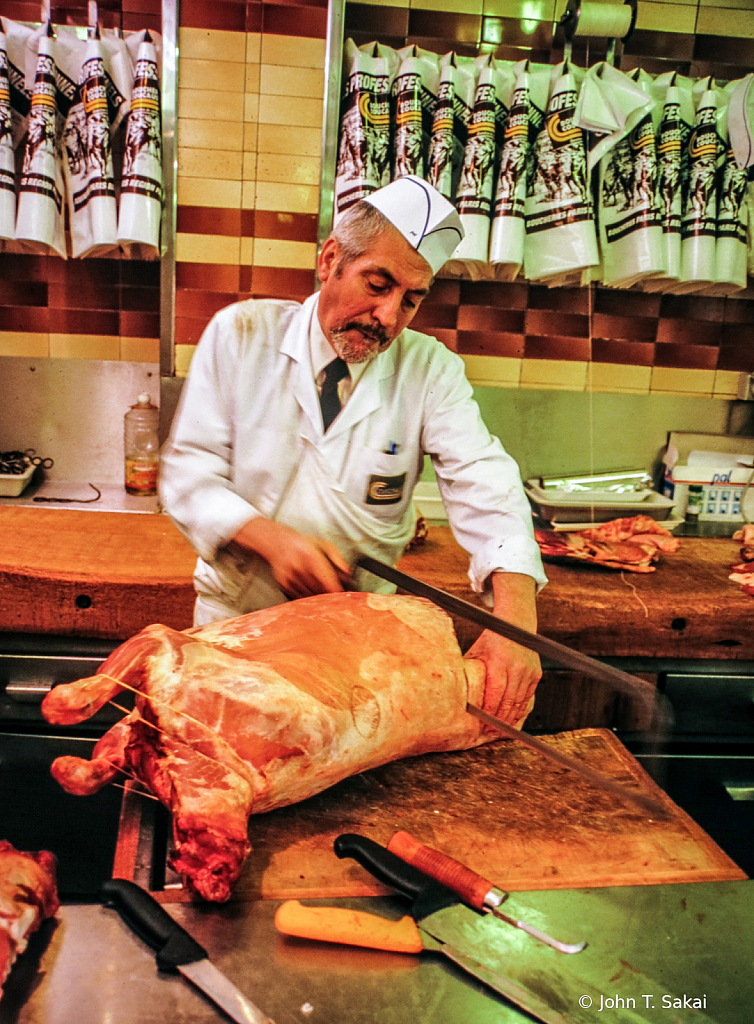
[(528, 336), (87, 308)]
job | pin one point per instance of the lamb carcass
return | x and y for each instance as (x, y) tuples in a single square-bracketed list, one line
[(264, 710), (28, 896), (633, 543)]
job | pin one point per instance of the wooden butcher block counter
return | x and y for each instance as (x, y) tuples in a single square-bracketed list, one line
[(108, 574)]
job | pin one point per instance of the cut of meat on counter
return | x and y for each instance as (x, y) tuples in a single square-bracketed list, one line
[(253, 713), (28, 896), (744, 573), (633, 544)]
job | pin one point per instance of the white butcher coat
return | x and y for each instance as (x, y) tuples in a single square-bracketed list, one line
[(248, 440)]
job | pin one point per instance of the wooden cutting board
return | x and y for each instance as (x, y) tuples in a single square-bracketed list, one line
[(522, 821)]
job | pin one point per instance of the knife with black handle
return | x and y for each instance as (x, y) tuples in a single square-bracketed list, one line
[(176, 950)]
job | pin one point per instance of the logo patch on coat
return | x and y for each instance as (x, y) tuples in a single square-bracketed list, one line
[(385, 490)]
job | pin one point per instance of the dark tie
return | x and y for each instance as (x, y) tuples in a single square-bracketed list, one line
[(328, 399)]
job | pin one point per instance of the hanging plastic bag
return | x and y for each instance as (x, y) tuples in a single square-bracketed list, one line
[(415, 91), (39, 217), (450, 125), (492, 102), (508, 233), (364, 148), (141, 184), (560, 229), (732, 210), (7, 156)]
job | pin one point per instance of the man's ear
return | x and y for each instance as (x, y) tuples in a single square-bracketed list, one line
[(328, 259)]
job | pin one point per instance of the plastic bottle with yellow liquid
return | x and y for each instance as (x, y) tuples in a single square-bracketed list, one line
[(142, 448)]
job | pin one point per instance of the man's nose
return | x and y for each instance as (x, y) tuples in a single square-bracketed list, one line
[(387, 311)]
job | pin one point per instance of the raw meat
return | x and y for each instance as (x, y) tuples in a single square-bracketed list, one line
[(746, 536), (744, 573), (27, 897), (264, 710), (633, 543)]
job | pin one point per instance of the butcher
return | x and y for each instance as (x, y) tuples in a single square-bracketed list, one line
[(302, 430)]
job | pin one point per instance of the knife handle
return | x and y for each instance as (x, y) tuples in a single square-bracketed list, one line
[(352, 927), (471, 887), (144, 915)]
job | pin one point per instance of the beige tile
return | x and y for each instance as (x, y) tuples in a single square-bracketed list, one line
[(293, 51), (666, 17), (674, 381), (250, 166), (453, 6), (294, 170), (287, 198), (206, 103), (726, 383), (492, 371), (249, 195), (278, 252), (24, 343), (252, 78), (251, 129), (183, 357), (251, 107), (290, 110), (84, 346), (389, 3), (140, 350), (247, 252), (223, 75), (215, 134), (527, 10), (614, 377), (215, 192), (211, 44), (295, 141), (253, 47), (741, 5), (208, 163), (553, 374), (722, 21), (191, 248), (276, 80)]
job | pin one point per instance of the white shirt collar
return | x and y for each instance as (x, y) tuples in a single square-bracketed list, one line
[(323, 353)]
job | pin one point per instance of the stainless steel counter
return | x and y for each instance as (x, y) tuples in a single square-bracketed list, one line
[(88, 968)]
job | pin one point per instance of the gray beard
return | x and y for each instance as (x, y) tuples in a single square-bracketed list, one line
[(360, 351)]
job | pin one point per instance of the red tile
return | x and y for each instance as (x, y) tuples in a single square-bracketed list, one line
[(734, 49), (136, 22), (516, 53), (693, 307), (34, 319), (443, 292), (491, 318), (82, 295), (283, 20), (201, 304), (244, 284), (630, 353), (571, 300), (20, 267), (205, 220), (272, 283), (378, 21), (632, 328), (448, 339), (22, 293), (513, 32), (625, 303), (488, 343), (93, 321), (429, 318), (737, 334), (688, 332), (18, 10), (139, 6), (690, 357), (188, 330), (297, 227), (248, 223), (556, 348), (739, 311), (140, 300), (207, 276), (254, 15), (139, 325), (303, 3), (555, 322), (656, 65), (436, 44), (675, 46), (218, 14), (140, 273), (465, 28), (494, 293), (736, 357), (74, 274)]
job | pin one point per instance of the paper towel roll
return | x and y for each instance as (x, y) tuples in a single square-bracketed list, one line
[(39, 217), (7, 159), (141, 186)]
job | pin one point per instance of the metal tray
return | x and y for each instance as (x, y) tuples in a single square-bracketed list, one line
[(655, 505)]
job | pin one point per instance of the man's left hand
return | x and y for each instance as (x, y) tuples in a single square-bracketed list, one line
[(513, 671)]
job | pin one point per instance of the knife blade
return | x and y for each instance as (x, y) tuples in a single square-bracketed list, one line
[(177, 950), (554, 988)]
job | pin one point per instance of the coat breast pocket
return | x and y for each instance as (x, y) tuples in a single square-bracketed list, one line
[(382, 484)]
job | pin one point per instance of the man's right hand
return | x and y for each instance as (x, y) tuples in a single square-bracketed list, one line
[(301, 565)]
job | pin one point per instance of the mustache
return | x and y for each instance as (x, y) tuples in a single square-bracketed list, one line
[(377, 334)]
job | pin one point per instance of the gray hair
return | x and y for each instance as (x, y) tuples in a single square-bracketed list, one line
[(357, 231)]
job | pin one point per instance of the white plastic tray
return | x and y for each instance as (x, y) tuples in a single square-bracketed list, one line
[(11, 484), (655, 505)]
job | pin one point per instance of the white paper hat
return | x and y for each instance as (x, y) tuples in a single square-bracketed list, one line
[(426, 219)]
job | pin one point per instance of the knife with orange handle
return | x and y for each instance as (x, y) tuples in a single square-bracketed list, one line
[(350, 927), (474, 889)]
